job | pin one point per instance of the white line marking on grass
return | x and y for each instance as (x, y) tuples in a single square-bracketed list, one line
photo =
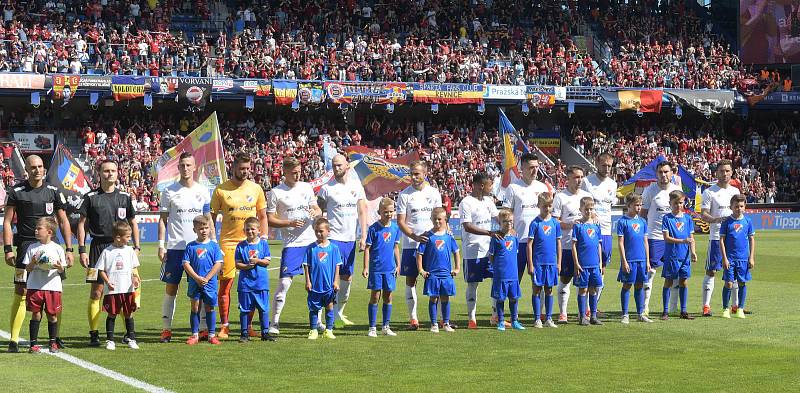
[(101, 370)]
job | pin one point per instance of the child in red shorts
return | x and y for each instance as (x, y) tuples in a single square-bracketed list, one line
[(117, 267), (44, 261)]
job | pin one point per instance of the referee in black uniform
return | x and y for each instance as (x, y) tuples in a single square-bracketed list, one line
[(28, 201), (101, 208)]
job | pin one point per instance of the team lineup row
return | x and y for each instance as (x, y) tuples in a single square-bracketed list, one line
[(325, 252)]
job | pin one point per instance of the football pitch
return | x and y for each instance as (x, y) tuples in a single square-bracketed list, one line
[(760, 353)]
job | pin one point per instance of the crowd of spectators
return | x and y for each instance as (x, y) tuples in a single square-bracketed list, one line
[(509, 42)]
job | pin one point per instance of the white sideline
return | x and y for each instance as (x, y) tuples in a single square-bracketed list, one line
[(101, 370)]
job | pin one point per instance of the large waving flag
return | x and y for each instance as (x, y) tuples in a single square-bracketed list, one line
[(637, 100), (205, 144), (647, 175), (67, 175), (380, 176), (513, 148)]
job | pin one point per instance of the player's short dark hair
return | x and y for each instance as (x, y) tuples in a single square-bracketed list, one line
[(663, 164), (107, 161), (480, 177), (251, 221), (241, 158), (572, 168), (604, 155), (725, 162), (290, 163), (49, 223), (528, 157), (418, 163), (738, 198), (121, 228), (185, 155)]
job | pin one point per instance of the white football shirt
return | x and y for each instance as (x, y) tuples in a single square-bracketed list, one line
[(567, 209), (523, 200), (293, 204), (341, 204), (417, 206), (118, 263), (479, 213), (183, 204), (39, 278), (718, 202), (605, 194), (656, 201)]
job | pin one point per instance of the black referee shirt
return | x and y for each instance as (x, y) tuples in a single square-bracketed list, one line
[(30, 205), (103, 209)]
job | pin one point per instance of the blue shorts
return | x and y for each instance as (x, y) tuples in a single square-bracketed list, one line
[(381, 281), (292, 261), (475, 270), (408, 263), (172, 268), (254, 300), (317, 301), (567, 263), (589, 277), (439, 286), (506, 289), (545, 275), (738, 271), (605, 241), (714, 257), (348, 250), (522, 259), (677, 269), (638, 274), (656, 252), (207, 294)]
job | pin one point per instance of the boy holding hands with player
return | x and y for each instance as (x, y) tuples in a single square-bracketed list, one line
[(634, 257), (321, 262), (587, 253), (678, 229), (436, 266), (505, 280), (118, 268), (44, 262), (202, 260), (382, 265), (252, 259), (738, 246), (544, 259)]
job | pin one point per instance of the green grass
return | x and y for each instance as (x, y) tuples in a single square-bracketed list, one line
[(761, 353)]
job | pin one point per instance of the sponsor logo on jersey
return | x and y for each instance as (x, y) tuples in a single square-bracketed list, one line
[(252, 253), (509, 245), (737, 227), (635, 227), (546, 229), (386, 236), (322, 256), (122, 213), (118, 262), (439, 244)]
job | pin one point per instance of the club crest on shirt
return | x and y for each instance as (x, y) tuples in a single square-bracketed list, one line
[(249, 199), (546, 229), (386, 236), (439, 244), (509, 245), (252, 253), (201, 252), (737, 227), (322, 256), (590, 232), (122, 213), (679, 226), (48, 208), (635, 227)]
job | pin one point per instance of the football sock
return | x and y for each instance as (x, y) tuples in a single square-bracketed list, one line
[(735, 293), (225, 285), (638, 297), (513, 305), (726, 297), (17, 316), (563, 297), (742, 295), (52, 330), (537, 305), (244, 322), (342, 296), (472, 299), (372, 312), (684, 295), (624, 298), (264, 322), (93, 312), (446, 312), (647, 288), (211, 322), (548, 306), (313, 319), (130, 328), (432, 311), (581, 306), (329, 319), (110, 321), (593, 304), (34, 331), (387, 314), (280, 298), (708, 289), (501, 312), (168, 311), (665, 298), (194, 322), (411, 302)]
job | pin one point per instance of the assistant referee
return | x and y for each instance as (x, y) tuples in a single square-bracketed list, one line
[(28, 201), (101, 208)]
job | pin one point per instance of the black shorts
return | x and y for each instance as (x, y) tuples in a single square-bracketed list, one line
[(20, 274), (95, 249)]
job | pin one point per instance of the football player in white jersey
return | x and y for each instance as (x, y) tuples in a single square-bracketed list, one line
[(567, 210), (346, 204), (477, 210), (180, 203), (604, 191), (655, 204), (715, 208), (292, 207), (414, 206)]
